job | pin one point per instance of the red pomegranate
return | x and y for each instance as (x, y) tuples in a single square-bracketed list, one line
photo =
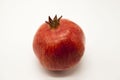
[(59, 44)]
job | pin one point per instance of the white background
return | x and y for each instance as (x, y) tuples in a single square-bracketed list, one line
[(99, 19)]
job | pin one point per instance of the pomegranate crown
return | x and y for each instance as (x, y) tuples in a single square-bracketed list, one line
[(53, 22)]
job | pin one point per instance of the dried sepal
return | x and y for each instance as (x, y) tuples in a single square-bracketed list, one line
[(53, 22)]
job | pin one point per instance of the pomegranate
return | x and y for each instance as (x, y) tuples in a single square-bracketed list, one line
[(59, 44)]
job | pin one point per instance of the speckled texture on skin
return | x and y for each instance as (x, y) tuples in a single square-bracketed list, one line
[(60, 48)]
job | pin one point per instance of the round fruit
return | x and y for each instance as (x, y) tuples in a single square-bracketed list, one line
[(59, 44)]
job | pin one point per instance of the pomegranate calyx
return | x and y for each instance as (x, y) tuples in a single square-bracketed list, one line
[(53, 22)]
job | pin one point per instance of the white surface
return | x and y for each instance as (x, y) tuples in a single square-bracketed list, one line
[(100, 20)]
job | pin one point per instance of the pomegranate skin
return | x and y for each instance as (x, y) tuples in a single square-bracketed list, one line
[(59, 48)]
